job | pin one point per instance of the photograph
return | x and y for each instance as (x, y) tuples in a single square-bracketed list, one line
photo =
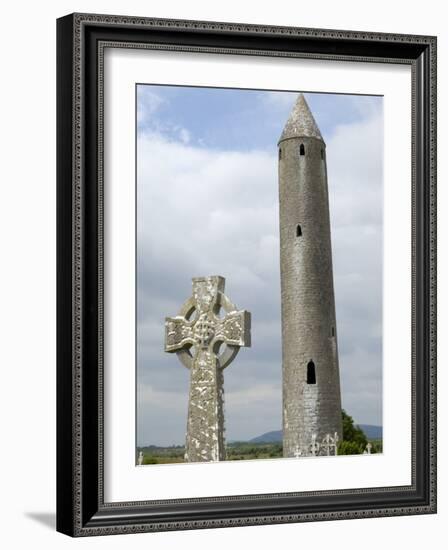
[(259, 274), (246, 273)]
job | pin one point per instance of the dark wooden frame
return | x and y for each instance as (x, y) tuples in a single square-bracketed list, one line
[(81, 510)]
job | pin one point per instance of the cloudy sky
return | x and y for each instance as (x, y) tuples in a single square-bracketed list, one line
[(207, 204)]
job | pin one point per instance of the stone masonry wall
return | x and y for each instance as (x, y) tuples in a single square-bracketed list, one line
[(308, 308)]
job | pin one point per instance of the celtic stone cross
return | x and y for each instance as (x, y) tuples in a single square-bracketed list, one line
[(206, 343)]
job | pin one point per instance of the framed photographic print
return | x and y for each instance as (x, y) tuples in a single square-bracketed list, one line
[(246, 274)]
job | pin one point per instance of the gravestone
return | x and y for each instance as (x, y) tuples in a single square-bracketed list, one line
[(314, 447), (207, 343), (329, 444)]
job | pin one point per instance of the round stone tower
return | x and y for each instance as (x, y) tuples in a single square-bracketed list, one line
[(311, 387)]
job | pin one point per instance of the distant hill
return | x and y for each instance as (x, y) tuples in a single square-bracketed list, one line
[(372, 432), (268, 437)]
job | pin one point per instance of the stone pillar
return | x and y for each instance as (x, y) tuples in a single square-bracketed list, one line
[(311, 387)]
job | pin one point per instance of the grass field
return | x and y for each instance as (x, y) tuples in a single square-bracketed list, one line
[(239, 450), (235, 451)]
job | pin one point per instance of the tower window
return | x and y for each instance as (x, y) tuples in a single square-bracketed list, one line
[(311, 373), (299, 231), (302, 150), (332, 332), (322, 154), (279, 153)]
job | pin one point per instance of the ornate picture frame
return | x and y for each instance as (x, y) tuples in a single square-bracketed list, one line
[(81, 506)]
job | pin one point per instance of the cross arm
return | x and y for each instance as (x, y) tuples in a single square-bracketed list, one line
[(178, 334), (234, 329)]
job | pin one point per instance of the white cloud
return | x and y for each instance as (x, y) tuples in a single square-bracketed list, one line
[(184, 135), (161, 417), (278, 101), (149, 102), (355, 172)]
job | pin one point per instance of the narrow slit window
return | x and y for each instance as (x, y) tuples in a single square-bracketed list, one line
[(332, 332), (299, 231), (311, 373), (302, 150), (322, 154), (280, 153)]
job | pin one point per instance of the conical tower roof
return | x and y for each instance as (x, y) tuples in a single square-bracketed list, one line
[(300, 122)]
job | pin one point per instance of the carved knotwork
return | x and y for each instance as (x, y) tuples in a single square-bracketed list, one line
[(198, 324)]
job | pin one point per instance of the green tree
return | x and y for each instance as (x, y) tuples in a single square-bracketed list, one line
[(354, 440), (349, 448)]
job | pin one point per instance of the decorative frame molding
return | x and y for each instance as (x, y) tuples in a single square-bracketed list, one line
[(81, 39)]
